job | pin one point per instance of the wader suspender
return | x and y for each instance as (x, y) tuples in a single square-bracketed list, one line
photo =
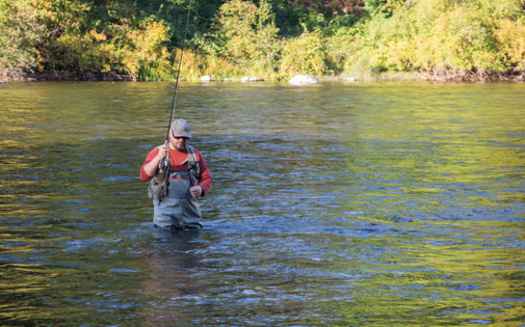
[(194, 168)]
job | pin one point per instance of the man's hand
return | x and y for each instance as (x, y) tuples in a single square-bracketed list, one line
[(163, 150), (151, 167), (196, 191)]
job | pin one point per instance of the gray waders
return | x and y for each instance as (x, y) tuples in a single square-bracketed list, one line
[(179, 210)]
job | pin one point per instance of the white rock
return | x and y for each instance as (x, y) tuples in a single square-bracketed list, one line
[(304, 79), (251, 79), (206, 78)]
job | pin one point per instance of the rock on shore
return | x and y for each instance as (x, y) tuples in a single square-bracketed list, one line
[(251, 79), (304, 79)]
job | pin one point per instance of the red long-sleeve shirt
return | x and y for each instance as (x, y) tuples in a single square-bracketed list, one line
[(176, 159)]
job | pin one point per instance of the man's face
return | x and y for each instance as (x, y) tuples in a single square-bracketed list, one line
[(179, 143)]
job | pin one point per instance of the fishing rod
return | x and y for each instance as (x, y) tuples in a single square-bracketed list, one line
[(174, 104)]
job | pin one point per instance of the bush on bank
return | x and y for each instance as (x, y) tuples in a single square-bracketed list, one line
[(20, 34), (271, 39)]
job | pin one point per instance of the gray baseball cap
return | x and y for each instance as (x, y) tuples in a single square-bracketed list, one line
[(181, 128)]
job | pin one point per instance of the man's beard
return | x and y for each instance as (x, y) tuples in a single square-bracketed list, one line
[(181, 148)]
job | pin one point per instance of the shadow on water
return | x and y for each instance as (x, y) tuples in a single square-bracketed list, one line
[(338, 204), (171, 261)]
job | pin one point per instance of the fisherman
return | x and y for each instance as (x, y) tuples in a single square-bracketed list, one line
[(176, 185)]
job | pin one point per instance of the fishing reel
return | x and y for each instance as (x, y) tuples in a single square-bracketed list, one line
[(164, 164), (162, 170)]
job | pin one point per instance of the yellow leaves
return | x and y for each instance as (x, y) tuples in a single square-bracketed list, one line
[(238, 15), (40, 61), (511, 36), (390, 55), (501, 9), (447, 34), (149, 40), (303, 55), (246, 33), (98, 36), (41, 4), (156, 34), (125, 21), (20, 32), (463, 23), (145, 45)]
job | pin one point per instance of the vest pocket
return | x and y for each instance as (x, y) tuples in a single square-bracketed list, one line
[(179, 186)]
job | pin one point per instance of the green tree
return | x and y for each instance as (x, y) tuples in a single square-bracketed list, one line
[(246, 34), (443, 36), (105, 36), (303, 55), (20, 34)]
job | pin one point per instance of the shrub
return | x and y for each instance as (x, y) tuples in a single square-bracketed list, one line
[(20, 32), (246, 34), (446, 35), (511, 36), (305, 54)]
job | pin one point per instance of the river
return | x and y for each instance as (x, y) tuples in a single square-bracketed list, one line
[(337, 204)]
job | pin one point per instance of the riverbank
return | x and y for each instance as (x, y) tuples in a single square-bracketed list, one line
[(455, 41), (426, 76), (71, 76)]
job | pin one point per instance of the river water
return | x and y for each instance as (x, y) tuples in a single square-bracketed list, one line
[(357, 204)]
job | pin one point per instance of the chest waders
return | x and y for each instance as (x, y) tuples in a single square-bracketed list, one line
[(178, 209)]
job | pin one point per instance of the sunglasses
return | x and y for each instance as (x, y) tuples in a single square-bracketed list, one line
[(179, 137)]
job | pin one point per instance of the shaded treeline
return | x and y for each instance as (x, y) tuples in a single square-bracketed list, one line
[(271, 39)]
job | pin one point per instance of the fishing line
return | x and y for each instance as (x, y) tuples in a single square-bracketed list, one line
[(178, 74)]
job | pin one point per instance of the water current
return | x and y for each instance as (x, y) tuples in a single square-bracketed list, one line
[(338, 204)]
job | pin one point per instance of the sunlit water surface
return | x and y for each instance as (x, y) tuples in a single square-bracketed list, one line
[(388, 204)]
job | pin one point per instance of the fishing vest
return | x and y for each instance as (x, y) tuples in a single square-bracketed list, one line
[(174, 207)]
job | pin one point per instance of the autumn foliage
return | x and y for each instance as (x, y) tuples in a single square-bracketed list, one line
[(271, 39)]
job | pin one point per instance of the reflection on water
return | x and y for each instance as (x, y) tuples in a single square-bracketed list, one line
[(337, 204)]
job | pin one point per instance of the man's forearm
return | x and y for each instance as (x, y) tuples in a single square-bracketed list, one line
[(151, 167)]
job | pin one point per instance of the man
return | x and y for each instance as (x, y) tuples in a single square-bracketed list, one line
[(189, 178)]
